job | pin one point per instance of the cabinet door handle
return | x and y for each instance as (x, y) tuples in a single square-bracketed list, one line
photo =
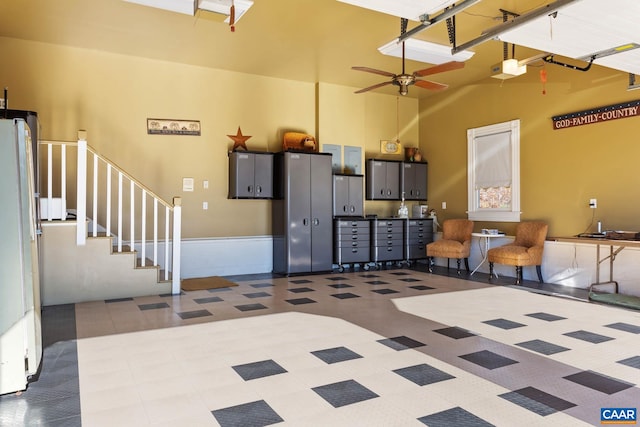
[(250, 189), (258, 189), (353, 209), (305, 221), (316, 221), (344, 208)]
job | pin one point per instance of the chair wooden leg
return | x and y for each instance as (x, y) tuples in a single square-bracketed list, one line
[(518, 275), (539, 271), (458, 263), (466, 264)]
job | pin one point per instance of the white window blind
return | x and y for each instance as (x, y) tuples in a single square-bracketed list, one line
[(493, 160)]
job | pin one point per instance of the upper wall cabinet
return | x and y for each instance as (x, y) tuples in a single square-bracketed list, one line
[(383, 179), (414, 180), (348, 199), (250, 175)]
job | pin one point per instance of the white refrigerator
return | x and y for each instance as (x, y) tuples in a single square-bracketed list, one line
[(20, 314)]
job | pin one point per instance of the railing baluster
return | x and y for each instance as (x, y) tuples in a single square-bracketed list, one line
[(143, 229), (119, 211), (49, 182), (95, 195), (132, 218), (63, 183), (108, 199), (166, 243), (177, 237), (81, 188), (155, 231)]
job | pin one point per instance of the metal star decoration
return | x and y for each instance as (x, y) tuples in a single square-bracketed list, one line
[(239, 140)]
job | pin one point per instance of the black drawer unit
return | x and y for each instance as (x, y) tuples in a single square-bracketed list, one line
[(418, 234), (387, 240), (351, 242)]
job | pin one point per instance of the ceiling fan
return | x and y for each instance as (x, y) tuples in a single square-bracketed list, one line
[(405, 80)]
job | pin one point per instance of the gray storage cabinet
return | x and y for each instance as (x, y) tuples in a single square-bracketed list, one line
[(418, 234), (383, 179), (250, 175), (414, 180), (348, 195), (301, 213), (387, 240), (351, 242)]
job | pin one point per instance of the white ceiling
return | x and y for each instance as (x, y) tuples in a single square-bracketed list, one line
[(584, 28), (320, 40)]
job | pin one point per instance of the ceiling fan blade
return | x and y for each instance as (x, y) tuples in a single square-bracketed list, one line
[(373, 70), (447, 66), (426, 84), (366, 89)]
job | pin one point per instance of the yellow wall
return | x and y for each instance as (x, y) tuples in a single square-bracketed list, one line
[(111, 96), (560, 169)]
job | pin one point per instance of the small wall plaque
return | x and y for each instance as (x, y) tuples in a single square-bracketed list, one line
[(173, 127), (390, 147)]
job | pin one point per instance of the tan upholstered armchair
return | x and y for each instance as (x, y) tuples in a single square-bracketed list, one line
[(525, 250), (455, 243)]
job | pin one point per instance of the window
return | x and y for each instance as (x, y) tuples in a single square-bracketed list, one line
[(494, 172)]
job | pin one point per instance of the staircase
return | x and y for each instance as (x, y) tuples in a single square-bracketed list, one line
[(109, 238)]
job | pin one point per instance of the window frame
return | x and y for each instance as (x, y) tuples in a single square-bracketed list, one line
[(475, 213)]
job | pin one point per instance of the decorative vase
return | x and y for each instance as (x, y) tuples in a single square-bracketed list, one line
[(417, 156)]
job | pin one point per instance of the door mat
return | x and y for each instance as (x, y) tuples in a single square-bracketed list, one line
[(627, 301), (202, 283)]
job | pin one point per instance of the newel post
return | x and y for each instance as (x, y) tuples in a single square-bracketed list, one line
[(81, 199), (177, 237)]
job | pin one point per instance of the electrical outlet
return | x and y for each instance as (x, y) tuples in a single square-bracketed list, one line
[(205, 205), (593, 203), (2, 103), (444, 205)]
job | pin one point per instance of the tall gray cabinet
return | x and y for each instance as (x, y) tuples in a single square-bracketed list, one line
[(302, 213)]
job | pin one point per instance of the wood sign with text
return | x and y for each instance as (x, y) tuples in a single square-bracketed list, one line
[(597, 115)]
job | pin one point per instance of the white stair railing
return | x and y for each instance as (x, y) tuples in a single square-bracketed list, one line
[(94, 192)]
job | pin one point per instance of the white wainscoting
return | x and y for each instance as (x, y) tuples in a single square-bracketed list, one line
[(224, 256), (569, 264)]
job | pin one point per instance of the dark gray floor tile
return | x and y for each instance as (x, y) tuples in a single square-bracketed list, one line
[(193, 314), (344, 393), (543, 347), (300, 290), (250, 307), (262, 285), (634, 362), (153, 306), (599, 382), (400, 273), (340, 285), (253, 414), (401, 343), (377, 282), (109, 301), (207, 300), (336, 355), (369, 276), (626, 327), (300, 281), (455, 332), (337, 278), (550, 401), (409, 280), (546, 316), (488, 359), (346, 295), (169, 294), (257, 294), (421, 287), (457, 417), (588, 336), (423, 374), (216, 290), (504, 324), (385, 291), (299, 301), (261, 369)]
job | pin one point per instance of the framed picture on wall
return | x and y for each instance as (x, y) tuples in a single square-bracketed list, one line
[(173, 127)]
